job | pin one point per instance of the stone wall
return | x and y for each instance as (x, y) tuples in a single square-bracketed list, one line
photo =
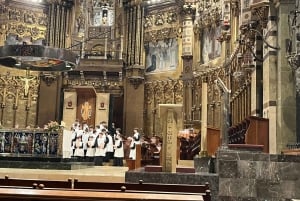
[(174, 178), (245, 175)]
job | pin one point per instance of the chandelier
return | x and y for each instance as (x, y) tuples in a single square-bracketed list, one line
[(38, 58)]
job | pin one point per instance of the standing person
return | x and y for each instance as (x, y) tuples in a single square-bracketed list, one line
[(132, 146), (79, 152), (85, 137), (90, 152), (102, 125), (136, 136), (100, 149), (112, 129), (109, 147), (119, 150), (73, 139)]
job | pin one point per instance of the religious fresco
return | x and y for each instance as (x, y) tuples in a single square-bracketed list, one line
[(40, 143), (22, 143), (162, 55), (5, 142), (210, 46), (27, 142), (53, 143)]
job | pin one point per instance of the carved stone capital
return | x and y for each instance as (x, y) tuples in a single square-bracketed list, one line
[(189, 9), (48, 77), (225, 36), (135, 75), (235, 7), (260, 10)]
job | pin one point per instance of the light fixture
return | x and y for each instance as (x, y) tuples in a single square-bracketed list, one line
[(37, 58)]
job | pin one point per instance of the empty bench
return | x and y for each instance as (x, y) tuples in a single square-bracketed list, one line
[(183, 189)]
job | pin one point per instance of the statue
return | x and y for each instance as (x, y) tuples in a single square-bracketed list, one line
[(26, 81)]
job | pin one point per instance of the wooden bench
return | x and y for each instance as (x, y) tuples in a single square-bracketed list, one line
[(12, 194), (202, 190), (35, 183)]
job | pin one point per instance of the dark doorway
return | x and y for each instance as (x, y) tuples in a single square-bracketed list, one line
[(116, 111)]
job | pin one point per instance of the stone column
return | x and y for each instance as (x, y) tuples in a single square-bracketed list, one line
[(279, 92), (171, 121), (203, 151), (134, 98), (134, 80), (187, 57)]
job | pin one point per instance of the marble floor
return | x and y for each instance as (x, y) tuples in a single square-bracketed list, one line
[(106, 173), (97, 173)]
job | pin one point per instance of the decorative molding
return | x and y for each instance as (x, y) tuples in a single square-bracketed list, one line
[(189, 9), (48, 77), (209, 13), (135, 75), (235, 7), (260, 10), (136, 81)]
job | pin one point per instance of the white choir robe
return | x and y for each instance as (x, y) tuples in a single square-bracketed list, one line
[(85, 138), (90, 152), (119, 150), (79, 149), (132, 153), (110, 145), (100, 150)]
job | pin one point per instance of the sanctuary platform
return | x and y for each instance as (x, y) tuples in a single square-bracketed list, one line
[(28, 161)]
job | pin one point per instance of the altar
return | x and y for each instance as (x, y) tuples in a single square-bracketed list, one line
[(36, 142), (38, 149)]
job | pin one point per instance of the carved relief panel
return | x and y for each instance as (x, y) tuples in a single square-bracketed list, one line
[(20, 25), (160, 92), (18, 100)]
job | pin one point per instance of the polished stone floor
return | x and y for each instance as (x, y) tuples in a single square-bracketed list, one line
[(106, 173)]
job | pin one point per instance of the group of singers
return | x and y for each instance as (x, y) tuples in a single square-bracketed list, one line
[(101, 145)]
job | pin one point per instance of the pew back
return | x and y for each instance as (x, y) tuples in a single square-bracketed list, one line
[(12, 194), (35, 183), (146, 188)]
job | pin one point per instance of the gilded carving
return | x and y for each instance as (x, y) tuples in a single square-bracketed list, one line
[(208, 13), (159, 20), (148, 22), (23, 23), (168, 92), (161, 25), (12, 99)]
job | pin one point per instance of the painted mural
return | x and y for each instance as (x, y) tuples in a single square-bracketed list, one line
[(210, 46), (162, 55)]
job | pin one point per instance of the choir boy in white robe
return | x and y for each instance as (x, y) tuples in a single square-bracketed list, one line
[(90, 152), (119, 150), (79, 152), (132, 146), (109, 147), (100, 149), (85, 137), (136, 136)]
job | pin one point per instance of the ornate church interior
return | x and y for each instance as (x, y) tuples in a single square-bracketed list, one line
[(217, 81)]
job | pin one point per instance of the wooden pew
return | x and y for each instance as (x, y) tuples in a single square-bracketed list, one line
[(12, 194), (35, 183), (258, 132), (202, 190)]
